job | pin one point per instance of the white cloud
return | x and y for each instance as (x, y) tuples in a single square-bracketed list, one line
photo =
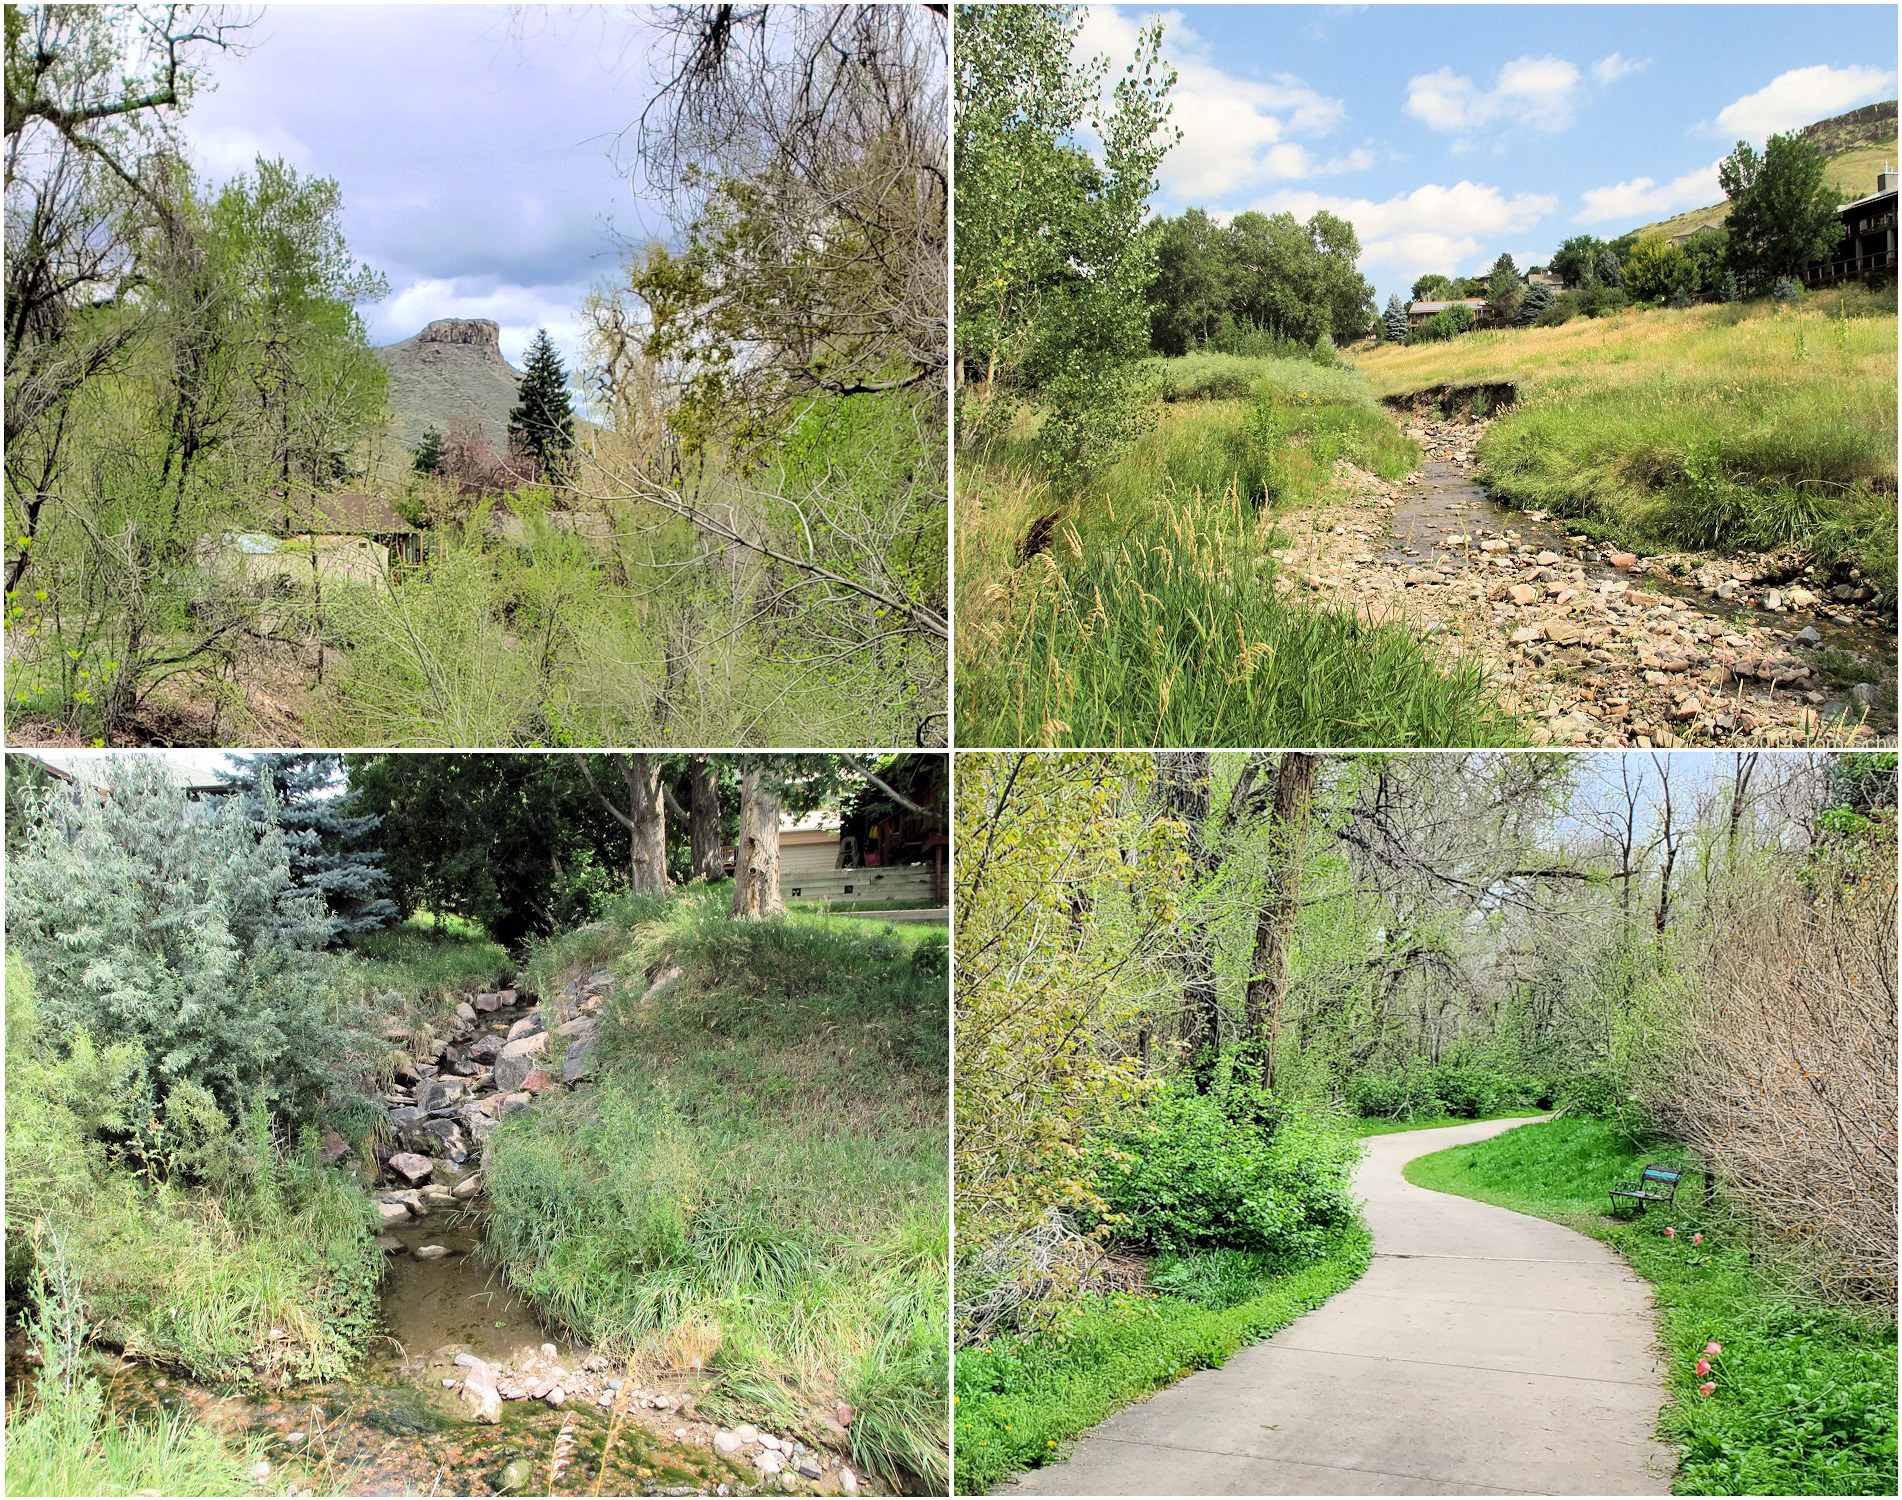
[(1610, 69), (1801, 97), (1432, 228), (1236, 132), (1536, 92), (1645, 198), (519, 310), (223, 151)]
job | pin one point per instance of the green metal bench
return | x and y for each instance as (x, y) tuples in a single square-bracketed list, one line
[(1655, 1184)]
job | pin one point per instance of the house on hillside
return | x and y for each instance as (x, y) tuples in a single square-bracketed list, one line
[(1542, 276), (1867, 247), (1685, 236), (356, 515), (1419, 312), (321, 539)]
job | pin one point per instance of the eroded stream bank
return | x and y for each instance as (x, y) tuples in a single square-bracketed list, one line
[(1593, 646), (467, 1390)]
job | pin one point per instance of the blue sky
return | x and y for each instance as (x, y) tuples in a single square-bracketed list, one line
[(472, 144), (1448, 134)]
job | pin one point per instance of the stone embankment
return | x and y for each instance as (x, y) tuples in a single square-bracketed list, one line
[(1594, 646)]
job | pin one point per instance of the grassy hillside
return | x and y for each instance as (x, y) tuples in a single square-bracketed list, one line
[(452, 369), (1855, 148), (1140, 611), (754, 1187), (1733, 426)]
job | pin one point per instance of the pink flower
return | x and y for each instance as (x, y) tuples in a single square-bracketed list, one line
[(1713, 1347), (1697, 1239), (1707, 1387), (1670, 1234), (1703, 1367)]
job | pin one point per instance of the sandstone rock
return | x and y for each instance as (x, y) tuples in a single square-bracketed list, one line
[(389, 1244), (580, 1026), (1527, 633), (768, 1462), (488, 1003), (429, 1252), (848, 1482), (466, 1012), (1773, 601), (1548, 559), (1801, 598), (538, 1081), (1622, 560), (389, 1215), (515, 1061), (469, 1186), (335, 1148), (411, 1165), (1495, 544), (1563, 632), (509, 997), (480, 1391), (1523, 594)]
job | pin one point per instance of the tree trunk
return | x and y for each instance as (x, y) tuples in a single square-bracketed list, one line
[(756, 863), (1274, 933), (1185, 796), (707, 860), (646, 824)]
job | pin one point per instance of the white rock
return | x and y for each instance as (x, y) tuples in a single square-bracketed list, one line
[(848, 1482), (768, 1462), (727, 1442)]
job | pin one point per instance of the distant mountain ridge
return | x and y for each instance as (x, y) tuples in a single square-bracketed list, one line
[(1855, 147), (453, 369)]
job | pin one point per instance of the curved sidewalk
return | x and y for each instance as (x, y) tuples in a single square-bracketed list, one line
[(1484, 1352)]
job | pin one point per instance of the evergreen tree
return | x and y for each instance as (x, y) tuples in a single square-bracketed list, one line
[(1395, 318), (1538, 299), (428, 455), (1504, 290), (543, 423), (322, 837)]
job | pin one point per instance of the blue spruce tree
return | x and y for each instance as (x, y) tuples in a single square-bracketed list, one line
[(321, 836), (1395, 317)]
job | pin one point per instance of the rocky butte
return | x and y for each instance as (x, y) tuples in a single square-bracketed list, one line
[(453, 369)]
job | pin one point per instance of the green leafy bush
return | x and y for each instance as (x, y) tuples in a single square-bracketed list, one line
[(1448, 323), (183, 935), (1199, 1171), (1469, 1092)]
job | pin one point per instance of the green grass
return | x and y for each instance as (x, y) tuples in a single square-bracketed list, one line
[(1019, 1400), (1806, 1395), (74, 1445), (755, 1184), (1726, 427), (1363, 1128), (1142, 611)]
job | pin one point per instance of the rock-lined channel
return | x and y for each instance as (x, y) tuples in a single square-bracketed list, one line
[(1596, 647), (468, 1393)]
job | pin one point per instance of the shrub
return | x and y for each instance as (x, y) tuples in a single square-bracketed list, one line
[(182, 936), (1468, 1092), (1592, 1096), (1564, 308), (1404, 1095), (1196, 1171), (1448, 323), (1602, 301)]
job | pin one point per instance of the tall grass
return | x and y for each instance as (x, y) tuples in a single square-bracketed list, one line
[(755, 1186), (1183, 642), (1805, 1398), (1726, 427), (1142, 611)]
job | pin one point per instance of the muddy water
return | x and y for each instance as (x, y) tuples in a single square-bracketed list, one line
[(458, 1299), (1446, 501)]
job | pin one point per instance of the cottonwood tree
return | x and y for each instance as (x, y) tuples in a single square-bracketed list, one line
[(644, 817), (1782, 210)]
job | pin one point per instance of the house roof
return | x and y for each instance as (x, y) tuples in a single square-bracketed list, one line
[(346, 514), (1865, 202), (1434, 307), (1684, 234)]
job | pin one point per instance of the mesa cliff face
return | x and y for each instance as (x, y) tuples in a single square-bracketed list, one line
[(453, 369)]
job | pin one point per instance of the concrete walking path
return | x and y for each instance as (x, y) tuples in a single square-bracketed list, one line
[(1483, 1352)]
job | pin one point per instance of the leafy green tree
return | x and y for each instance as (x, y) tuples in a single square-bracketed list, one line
[(1297, 280), (304, 793), (1191, 290), (1433, 287), (1578, 260), (1395, 319), (427, 458), (1053, 257), (1448, 323), (1658, 270), (542, 425), (1782, 210), (150, 922)]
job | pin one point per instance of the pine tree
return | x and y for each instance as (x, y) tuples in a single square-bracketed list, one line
[(1537, 299), (543, 423), (428, 456), (1395, 318), (321, 836)]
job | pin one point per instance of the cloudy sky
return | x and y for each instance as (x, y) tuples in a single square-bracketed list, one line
[(472, 145), (1447, 134)]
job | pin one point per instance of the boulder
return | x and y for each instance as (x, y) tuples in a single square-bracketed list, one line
[(487, 1003), (581, 1026), (468, 1187), (479, 1390), (405, 1114), (508, 997), (412, 1165), (429, 1252), (450, 1138), (527, 1026), (574, 1066), (514, 1062), (389, 1244), (466, 1013), (440, 1096), (389, 1215), (538, 1081), (334, 1149), (484, 1048)]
